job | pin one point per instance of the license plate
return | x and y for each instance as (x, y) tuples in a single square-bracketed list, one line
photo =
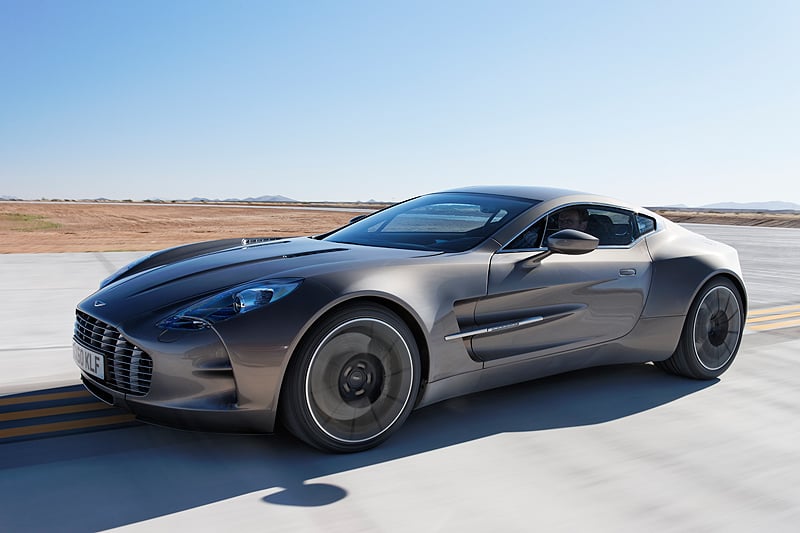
[(89, 361)]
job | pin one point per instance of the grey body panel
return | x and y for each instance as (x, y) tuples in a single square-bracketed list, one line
[(612, 305), (583, 300)]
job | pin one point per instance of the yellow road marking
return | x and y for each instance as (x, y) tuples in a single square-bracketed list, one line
[(775, 325), (63, 426), (771, 310), (51, 411), (772, 317), (43, 397)]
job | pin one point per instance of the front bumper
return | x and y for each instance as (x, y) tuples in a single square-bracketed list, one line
[(228, 419), (193, 384)]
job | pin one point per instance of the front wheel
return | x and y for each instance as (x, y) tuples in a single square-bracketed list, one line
[(353, 381), (711, 334)]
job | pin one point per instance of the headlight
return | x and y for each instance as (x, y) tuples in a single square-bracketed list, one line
[(232, 302)]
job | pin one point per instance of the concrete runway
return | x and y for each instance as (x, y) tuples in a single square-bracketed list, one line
[(623, 448), (39, 292)]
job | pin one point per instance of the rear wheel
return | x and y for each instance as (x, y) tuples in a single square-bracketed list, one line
[(353, 381), (712, 333)]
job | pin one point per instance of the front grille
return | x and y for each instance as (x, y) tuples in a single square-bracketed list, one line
[(128, 369)]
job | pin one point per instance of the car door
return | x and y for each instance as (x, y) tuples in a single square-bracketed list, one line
[(535, 308)]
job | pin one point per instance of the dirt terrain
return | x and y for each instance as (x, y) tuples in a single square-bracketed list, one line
[(38, 227), (27, 227), (775, 219)]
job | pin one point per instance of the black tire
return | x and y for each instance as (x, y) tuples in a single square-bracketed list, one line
[(711, 334), (353, 380)]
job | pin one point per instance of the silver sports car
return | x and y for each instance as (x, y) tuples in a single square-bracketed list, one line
[(340, 336)]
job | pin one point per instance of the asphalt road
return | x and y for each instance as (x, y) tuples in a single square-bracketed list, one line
[(624, 448)]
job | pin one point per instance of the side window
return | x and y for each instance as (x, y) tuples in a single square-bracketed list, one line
[(614, 227), (646, 224), (528, 239)]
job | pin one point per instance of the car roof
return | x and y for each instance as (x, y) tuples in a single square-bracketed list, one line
[(550, 197), (541, 194)]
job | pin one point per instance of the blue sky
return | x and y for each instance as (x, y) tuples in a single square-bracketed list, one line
[(659, 103)]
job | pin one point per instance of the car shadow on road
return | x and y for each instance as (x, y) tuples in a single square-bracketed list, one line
[(112, 478)]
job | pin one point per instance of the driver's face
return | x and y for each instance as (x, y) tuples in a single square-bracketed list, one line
[(571, 220)]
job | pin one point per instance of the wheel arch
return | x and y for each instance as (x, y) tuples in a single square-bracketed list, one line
[(724, 274), (677, 281), (739, 284), (402, 312)]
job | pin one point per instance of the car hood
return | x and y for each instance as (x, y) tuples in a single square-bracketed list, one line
[(170, 285)]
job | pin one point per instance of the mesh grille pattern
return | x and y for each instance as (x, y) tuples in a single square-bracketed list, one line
[(129, 370)]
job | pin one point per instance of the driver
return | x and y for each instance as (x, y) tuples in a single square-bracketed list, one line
[(573, 218)]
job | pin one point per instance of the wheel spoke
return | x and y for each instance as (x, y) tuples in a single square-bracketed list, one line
[(702, 345), (727, 305), (375, 416), (383, 351), (730, 349)]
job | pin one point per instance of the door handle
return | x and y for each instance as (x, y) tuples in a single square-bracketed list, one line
[(627, 271)]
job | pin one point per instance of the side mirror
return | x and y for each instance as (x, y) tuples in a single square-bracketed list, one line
[(566, 241), (571, 242)]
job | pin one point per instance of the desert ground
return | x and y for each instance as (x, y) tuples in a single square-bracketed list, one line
[(38, 227), (28, 227)]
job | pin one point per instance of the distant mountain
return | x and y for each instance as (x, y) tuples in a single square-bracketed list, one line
[(268, 199), (759, 206), (6, 198), (251, 199)]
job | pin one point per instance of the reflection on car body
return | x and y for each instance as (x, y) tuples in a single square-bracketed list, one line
[(342, 335)]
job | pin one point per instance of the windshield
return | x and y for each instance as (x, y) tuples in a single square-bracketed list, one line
[(443, 222)]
